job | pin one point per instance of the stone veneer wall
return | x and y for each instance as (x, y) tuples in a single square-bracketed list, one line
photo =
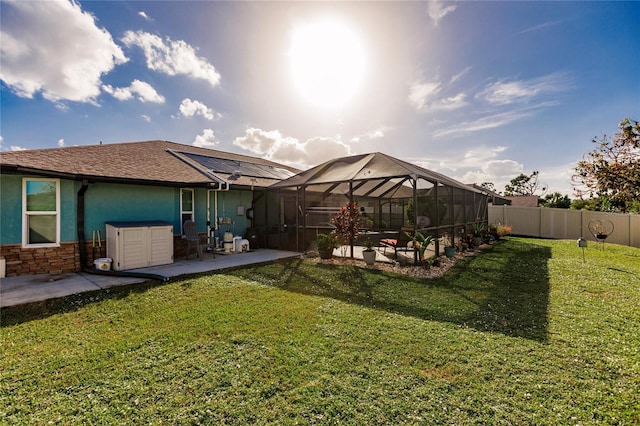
[(63, 259), (44, 260)]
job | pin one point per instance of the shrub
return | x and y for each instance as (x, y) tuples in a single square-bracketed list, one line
[(327, 242)]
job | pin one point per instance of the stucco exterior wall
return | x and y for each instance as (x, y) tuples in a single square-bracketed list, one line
[(11, 210), (104, 202)]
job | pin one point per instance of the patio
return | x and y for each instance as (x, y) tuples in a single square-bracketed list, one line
[(35, 288)]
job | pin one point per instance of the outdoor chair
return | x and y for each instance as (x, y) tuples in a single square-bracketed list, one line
[(400, 241), (194, 240)]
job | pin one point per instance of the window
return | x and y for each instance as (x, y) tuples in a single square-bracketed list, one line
[(186, 206), (41, 207)]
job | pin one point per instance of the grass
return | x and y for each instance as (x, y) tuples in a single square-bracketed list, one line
[(525, 333)]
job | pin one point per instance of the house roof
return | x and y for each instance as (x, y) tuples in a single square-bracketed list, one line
[(151, 162), (369, 167), (494, 196), (524, 200)]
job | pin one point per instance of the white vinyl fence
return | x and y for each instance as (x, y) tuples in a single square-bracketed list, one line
[(566, 224)]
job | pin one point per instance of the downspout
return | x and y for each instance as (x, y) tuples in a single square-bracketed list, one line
[(351, 201), (82, 240), (415, 214), (82, 243)]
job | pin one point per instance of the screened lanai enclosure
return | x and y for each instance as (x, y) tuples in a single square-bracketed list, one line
[(391, 195)]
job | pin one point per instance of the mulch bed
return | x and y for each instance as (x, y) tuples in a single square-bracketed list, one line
[(408, 270)]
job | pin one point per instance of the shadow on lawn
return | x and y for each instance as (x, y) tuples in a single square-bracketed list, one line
[(13, 315), (505, 289)]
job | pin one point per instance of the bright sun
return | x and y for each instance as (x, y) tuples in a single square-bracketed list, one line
[(327, 62)]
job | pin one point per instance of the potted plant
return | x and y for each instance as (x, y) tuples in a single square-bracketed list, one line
[(326, 244), (420, 243), (478, 231), (368, 254), (449, 248)]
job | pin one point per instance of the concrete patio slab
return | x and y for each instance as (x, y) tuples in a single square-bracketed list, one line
[(34, 288)]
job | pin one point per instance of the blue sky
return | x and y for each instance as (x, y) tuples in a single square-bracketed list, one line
[(479, 91)]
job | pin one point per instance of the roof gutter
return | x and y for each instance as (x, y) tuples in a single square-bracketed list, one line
[(14, 169)]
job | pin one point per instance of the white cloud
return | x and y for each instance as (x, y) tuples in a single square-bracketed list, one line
[(274, 146), (449, 104), (438, 10), (206, 140), (420, 93), (61, 142), (541, 26), (483, 123), (319, 149), (557, 178), (502, 168), (508, 92), (189, 108), (146, 118), (480, 164), (144, 16), (260, 141), (145, 92), (172, 57), (498, 172), (55, 48), (424, 96), (459, 75), (372, 135), (478, 156), (376, 134), (11, 147)]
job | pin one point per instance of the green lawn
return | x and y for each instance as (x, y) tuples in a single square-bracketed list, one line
[(525, 333)]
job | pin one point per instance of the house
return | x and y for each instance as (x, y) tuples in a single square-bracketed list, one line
[(494, 198), (56, 203), (524, 200)]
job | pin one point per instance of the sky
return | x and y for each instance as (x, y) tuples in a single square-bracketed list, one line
[(479, 91)]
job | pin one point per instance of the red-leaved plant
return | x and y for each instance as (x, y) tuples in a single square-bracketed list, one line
[(347, 222)]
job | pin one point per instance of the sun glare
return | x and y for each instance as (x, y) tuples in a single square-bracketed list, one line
[(327, 62)]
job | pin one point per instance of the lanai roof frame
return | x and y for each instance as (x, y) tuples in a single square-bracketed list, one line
[(382, 177)]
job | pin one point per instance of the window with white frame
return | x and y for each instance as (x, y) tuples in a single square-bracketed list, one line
[(41, 212), (186, 206)]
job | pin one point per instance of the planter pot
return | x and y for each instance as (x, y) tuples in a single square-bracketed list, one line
[(450, 251), (477, 241), (325, 254), (369, 256)]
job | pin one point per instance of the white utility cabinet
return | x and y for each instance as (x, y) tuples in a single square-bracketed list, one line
[(134, 245)]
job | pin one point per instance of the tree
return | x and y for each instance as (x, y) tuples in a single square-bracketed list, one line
[(612, 169), (524, 185), (489, 186), (556, 200)]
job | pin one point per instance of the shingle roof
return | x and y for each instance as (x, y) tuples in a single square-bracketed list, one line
[(142, 162)]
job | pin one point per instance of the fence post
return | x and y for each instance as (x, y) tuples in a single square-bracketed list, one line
[(539, 221)]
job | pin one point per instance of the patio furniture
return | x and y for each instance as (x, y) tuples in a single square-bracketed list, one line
[(194, 240), (400, 242)]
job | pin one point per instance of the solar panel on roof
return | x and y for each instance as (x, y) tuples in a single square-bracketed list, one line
[(224, 165)]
